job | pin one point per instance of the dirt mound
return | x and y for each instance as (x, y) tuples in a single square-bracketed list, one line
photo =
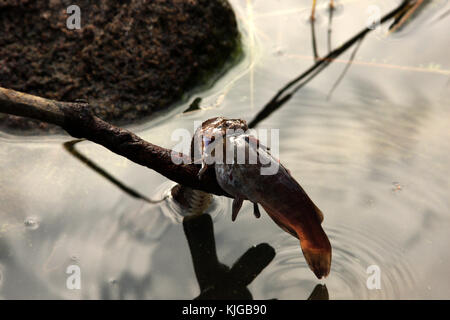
[(129, 59)]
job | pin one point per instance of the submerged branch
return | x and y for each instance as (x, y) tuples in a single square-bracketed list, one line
[(70, 147), (78, 120), (344, 72)]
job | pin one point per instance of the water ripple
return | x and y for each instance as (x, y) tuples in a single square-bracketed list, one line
[(353, 252)]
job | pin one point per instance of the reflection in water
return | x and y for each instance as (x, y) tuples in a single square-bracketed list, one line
[(70, 147), (320, 292), (330, 23), (347, 66), (314, 41), (331, 10), (216, 280)]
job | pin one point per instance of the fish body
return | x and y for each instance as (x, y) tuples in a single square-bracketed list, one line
[(278, 193)]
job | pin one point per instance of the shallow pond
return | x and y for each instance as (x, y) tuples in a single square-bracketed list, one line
[(373, 156)]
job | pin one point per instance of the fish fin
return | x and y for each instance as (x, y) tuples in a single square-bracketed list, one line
[(319, 213), (287, 170), (315, 244), (237, 204), (317, 255), (202, 170), (282, 226), (256, 210)]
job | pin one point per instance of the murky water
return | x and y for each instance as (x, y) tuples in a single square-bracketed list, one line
[(374, 157)]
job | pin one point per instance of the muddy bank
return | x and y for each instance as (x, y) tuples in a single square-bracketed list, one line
[(129, 59)]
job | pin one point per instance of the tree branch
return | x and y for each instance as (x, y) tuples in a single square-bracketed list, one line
[(78, 120)]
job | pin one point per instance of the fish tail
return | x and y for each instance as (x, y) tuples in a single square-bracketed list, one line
[(314, 242), (317, 251)]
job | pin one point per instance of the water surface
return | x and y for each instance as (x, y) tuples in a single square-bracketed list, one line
[(373, 156)]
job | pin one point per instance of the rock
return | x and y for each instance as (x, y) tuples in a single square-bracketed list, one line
[(129, 59)]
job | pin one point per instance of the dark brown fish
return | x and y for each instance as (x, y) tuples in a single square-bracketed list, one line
[(279, 193)]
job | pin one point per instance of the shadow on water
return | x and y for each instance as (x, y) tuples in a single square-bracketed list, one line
[(70, 147), (216, 280), (320, 292)]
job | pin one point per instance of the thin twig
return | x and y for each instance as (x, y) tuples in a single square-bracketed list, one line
[(344, 72), (330, 29), (283, 95), (314, 42), (404, 17)]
